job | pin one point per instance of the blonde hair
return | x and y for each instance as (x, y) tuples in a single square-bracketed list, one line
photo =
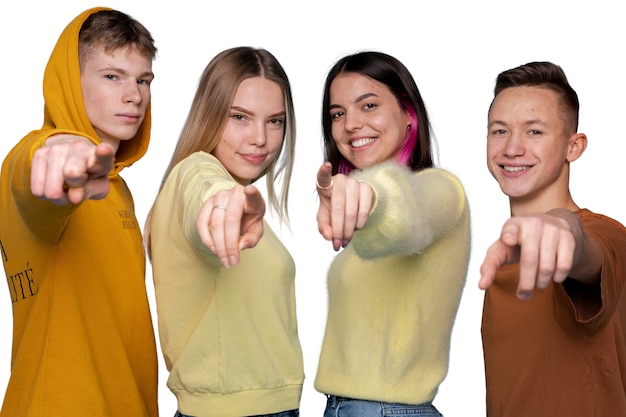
[(209, 113)]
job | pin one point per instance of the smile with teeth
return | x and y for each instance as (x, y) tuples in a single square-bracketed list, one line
[(514, 169), (361, 142)]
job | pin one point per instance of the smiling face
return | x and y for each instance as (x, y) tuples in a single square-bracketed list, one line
[(254, 134), (369, 126), (529, 148), (116, 92)]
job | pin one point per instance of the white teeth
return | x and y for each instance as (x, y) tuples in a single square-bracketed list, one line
[(514, 169), (361, 142)]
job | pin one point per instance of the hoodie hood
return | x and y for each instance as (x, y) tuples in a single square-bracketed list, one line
[(64, 108)]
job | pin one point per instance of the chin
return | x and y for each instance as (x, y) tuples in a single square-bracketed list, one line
[(514, 192), (360, 164), (124, 137)]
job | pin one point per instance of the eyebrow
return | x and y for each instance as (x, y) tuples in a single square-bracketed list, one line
[(526, 123), (124, 72), (364, 96), (496, 122), (244, 110), (358, 99)]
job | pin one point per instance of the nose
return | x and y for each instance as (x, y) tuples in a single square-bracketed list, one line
[(514, 145), (259, 134), (353, 121), (132, 93)]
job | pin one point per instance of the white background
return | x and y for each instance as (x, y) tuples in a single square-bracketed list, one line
[(454, 49)]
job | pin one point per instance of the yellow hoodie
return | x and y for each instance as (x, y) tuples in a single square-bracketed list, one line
[(83, 341)]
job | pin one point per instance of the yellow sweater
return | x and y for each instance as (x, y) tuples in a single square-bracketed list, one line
[(395, 289), (229, 336), (83, 341)]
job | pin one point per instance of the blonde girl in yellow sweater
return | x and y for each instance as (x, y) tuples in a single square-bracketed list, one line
[(227, 316)]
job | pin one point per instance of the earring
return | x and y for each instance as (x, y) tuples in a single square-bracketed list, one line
[(409, 127)]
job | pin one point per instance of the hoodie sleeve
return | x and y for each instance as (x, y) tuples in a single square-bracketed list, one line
[(64, 112), (43, 218)]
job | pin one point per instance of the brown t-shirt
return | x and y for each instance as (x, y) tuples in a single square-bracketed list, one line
[(544, 357)]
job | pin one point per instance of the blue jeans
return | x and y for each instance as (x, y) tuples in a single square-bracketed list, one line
[(348, 407), (290, 413)]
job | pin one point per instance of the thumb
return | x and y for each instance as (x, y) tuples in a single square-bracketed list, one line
[(324, 178)]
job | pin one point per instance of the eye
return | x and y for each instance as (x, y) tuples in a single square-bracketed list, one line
[(498, 132), (111, 77), (337, 115), (143, 82), (276, 123), (238, 116), (534, 132), (369, 106)]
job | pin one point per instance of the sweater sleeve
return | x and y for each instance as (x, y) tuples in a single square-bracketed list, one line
[(199, 177), (412, 210), (611, 236)]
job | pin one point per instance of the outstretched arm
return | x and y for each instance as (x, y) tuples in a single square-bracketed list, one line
[(345, 205), (231, 221), (549, 247), (71, 169)]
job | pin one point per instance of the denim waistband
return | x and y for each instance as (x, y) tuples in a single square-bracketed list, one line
[(334, 399)]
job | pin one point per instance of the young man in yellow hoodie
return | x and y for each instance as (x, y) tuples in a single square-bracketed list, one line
[(83, 341)]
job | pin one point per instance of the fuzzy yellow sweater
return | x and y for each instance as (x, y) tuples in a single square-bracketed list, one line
[(395, 289)]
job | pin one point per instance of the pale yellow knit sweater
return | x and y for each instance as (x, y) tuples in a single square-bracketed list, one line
[(229, 336)]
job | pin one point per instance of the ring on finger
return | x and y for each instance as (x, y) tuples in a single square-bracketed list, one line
[(328, 187)]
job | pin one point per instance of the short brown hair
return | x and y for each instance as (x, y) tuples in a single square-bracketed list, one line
[(113, 29), (543, 75)]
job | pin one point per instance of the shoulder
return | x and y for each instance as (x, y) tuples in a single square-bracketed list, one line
[(200, 162), (199, 157), (602, 227), (439, 174), (394, 170), (198, 171), (610, 236), (589, 217)]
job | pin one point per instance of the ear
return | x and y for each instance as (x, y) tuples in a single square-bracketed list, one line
[(576, 147), (407, 117)]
